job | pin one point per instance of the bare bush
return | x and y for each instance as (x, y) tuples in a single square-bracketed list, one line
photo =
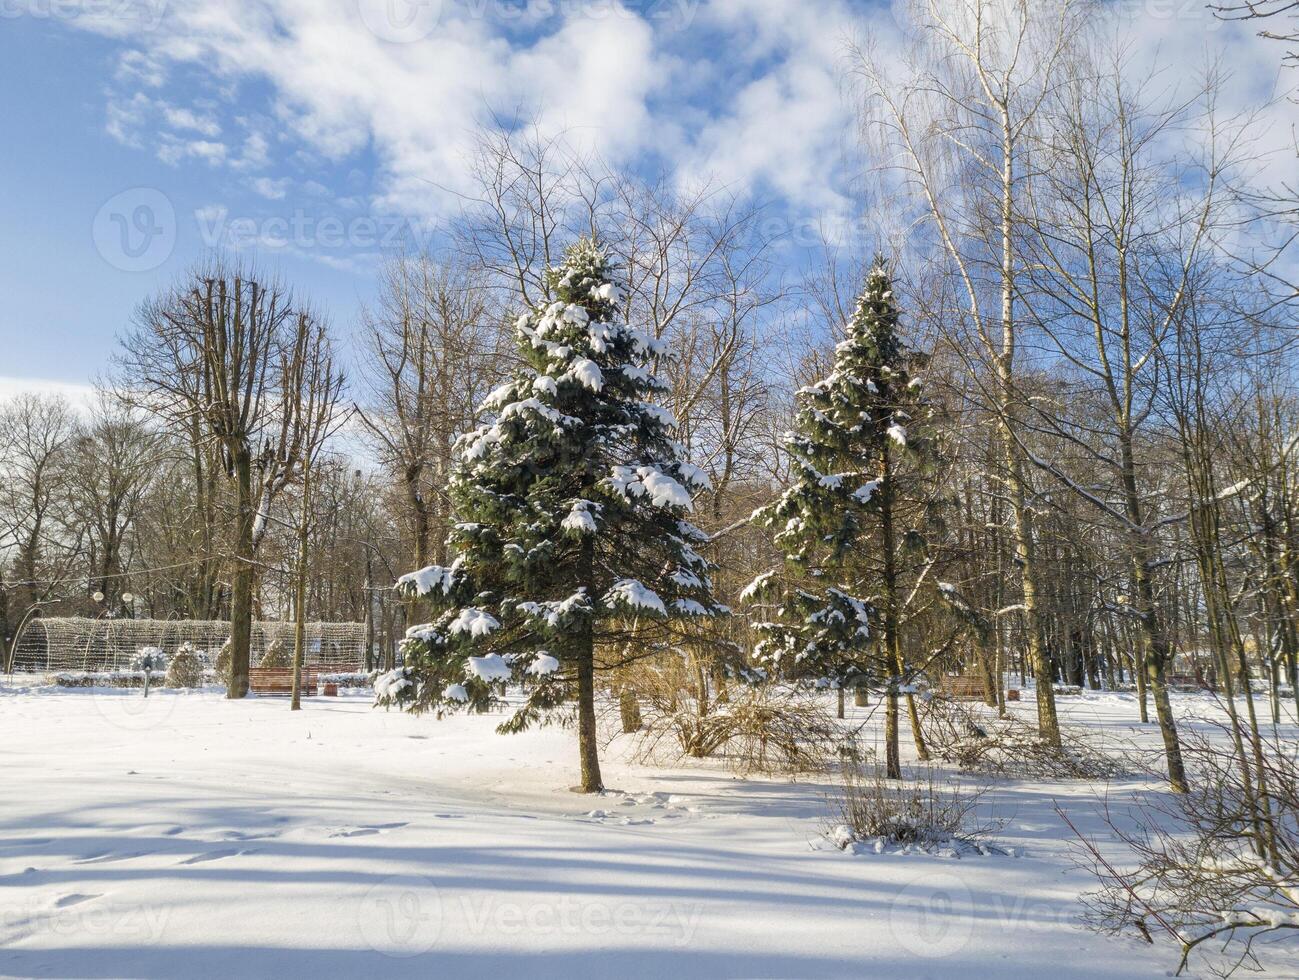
[(1217, 868), (753, 728), (978, 742), (924, 810)]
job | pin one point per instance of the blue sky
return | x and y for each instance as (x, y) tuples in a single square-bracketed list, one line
[(65, 300), (313, 133)]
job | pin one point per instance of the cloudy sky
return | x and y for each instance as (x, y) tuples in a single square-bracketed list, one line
[(140, 133)]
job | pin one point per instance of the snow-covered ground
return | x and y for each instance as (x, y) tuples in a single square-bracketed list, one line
[(189, 835)]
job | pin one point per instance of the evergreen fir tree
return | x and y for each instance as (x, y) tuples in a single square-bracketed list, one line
[(859, 445), (573, 537)]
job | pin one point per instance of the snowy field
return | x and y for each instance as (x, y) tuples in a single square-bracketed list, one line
[(190, 836)]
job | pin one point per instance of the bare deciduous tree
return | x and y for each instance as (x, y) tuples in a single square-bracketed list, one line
[(220, 356)]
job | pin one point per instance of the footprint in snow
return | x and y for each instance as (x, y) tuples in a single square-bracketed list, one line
[(74, 899), (216, 856), (104, 857), (604, 817), (368, 830)]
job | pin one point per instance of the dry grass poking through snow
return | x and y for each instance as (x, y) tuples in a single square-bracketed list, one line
[(926, 810)]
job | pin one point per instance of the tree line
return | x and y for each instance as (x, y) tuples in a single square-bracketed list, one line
[(1091, 273)]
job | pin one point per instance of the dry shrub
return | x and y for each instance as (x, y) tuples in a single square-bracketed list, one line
[(185, 668), (770, 729), (927, 810), (977, 741), (1215, 871), (691, 708)]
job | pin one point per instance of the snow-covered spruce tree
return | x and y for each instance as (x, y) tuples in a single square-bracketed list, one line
[(572, 539), (859, 452)]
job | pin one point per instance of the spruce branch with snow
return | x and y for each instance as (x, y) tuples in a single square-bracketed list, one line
[(573, 537)]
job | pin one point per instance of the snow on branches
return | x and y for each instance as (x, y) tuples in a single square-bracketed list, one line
[(847, 441), (573, 510)]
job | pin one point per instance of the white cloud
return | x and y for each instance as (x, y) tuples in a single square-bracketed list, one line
[(750, 93), (79, 396), (181, 118), (338, 88), (789, 128), (174, 151), (269, 188)]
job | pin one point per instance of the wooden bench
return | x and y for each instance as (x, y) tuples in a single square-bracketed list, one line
[(963, 688), (1186, 683), (967, 688), (278, 681)]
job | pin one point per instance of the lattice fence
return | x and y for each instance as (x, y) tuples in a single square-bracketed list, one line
[(69, 644)]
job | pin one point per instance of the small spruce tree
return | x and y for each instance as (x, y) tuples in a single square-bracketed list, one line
[(573, 539), (859, 449)]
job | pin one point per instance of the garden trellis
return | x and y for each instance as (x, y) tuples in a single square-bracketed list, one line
[(78, 644)]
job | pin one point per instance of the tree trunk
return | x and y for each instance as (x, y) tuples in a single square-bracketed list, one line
[(369, 613), (587, 747), (1048, 722), (892, 760), (629, 711), (419, 514), (892, 639), (241, 592), (985, 656), (300, 597), (1004, 360)]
